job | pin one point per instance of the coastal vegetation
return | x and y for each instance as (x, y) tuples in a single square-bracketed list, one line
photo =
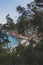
[(23, 55)]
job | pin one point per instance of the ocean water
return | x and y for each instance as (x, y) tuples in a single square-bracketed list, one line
[(13, 41), (8, 40)]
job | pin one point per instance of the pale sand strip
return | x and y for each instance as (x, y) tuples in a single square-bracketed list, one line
[(19, 35)]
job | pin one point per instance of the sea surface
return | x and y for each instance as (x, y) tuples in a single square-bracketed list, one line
[(13, 41)]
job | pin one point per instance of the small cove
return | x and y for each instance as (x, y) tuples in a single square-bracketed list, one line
[(8, 41), (13, 41)]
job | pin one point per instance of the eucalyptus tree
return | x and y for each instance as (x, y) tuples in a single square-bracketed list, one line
[(23, 20), (9, 19), (30, 21), (10, 23)]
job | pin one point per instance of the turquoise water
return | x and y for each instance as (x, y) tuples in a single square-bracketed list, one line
[(8, 40), (13, 41)]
